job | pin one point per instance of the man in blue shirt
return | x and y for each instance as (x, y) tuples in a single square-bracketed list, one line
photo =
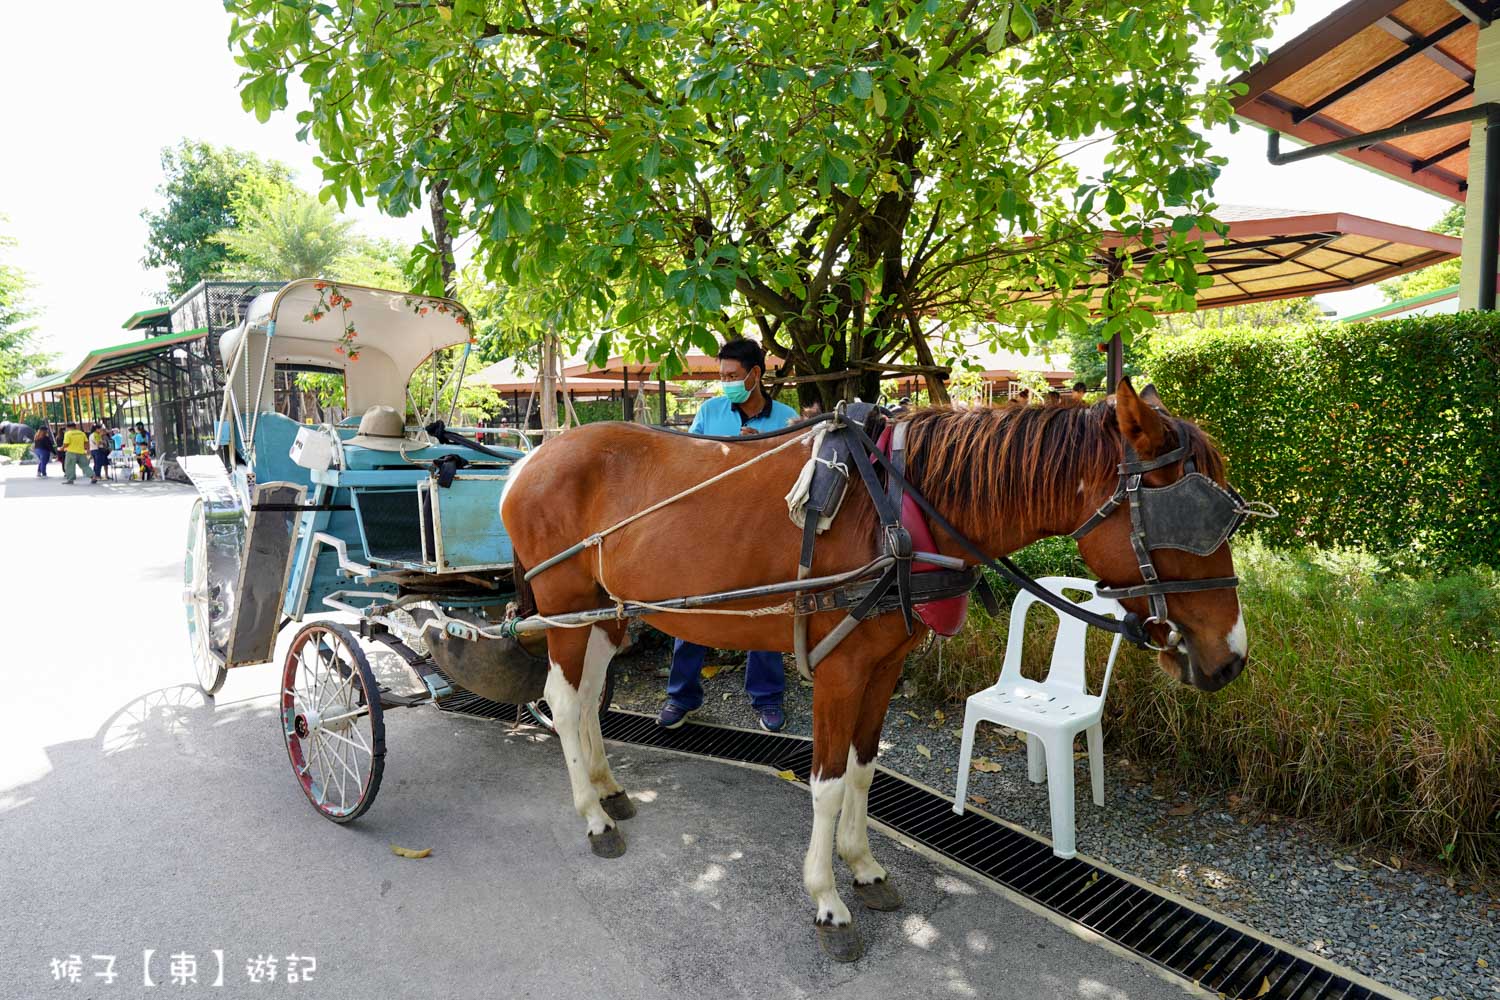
[(743, 407)]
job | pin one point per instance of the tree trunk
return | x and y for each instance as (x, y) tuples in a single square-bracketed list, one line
[(441, 238), (549, 385)]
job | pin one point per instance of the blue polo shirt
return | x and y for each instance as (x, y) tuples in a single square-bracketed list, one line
[(718, 416)]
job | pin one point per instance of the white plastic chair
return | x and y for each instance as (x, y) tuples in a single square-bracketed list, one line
[(1050, 712)]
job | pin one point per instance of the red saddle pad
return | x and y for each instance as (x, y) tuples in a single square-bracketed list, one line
[(944, 617)]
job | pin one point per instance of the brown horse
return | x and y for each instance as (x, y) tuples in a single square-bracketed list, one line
[(1004, 476)]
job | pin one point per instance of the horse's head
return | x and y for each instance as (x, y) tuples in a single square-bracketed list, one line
[(1179, 534)]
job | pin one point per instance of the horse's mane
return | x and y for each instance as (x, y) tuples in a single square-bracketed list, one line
[(985, 465)]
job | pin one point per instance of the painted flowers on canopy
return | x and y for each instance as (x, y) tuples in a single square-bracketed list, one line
[(421, 307), (331, 297)]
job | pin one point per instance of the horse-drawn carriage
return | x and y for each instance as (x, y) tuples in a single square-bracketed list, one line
[(411, 530), (396, 525)]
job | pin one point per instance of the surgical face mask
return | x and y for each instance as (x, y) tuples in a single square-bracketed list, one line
[(735, 392)]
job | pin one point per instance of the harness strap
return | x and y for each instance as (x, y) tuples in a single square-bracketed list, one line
[(1168, 587), (896, 539)]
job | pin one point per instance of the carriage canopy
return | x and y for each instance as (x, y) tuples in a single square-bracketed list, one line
[(376, 337)]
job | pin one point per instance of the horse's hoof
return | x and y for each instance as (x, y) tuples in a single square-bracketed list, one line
[(842, 944), (879, 895), (608, 844), (618, 806)]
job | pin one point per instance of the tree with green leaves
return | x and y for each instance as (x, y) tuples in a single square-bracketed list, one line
[(19, 356), (282, 232), (1430, 279), (844, 180), (198, 186)]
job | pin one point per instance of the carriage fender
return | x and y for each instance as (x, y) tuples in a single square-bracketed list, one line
[(211, 480)]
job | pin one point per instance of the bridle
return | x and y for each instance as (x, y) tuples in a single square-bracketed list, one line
[(1193, 514)]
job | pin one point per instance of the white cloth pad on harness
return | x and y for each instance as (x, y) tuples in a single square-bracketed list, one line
[(801, 492)]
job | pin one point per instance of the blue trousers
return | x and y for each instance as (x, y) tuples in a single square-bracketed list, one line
[(765, 680)]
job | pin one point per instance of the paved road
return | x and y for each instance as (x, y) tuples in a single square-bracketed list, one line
[(136, 815)]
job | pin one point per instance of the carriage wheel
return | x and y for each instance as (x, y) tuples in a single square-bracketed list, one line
[(207, 568), (331, 718), (543, 714)]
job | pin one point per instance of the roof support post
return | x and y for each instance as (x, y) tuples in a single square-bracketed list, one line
[(1489, 230), (1481, 234)]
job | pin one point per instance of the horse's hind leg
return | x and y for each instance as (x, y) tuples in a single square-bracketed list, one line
[(567, 691), (604, 642), (871, 882)]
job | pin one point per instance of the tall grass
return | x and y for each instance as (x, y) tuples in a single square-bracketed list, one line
[(1371, 703)]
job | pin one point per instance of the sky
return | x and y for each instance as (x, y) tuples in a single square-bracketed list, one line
[(91, 99)]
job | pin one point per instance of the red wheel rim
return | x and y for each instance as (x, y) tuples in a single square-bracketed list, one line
[(335, 736)]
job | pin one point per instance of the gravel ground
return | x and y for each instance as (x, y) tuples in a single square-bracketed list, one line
[(1412, 929)]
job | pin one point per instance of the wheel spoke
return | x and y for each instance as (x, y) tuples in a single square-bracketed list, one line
[(358, 780), (338, 755), (358, 732), (344, 739)]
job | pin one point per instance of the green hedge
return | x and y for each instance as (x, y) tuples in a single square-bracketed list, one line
[(18, 452), (1381, 435)]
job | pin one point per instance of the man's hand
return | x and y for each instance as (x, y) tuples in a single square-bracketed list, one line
[(748, 431)]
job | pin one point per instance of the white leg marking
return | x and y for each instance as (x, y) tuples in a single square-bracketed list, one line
[(854, 826), (817, 868), (567, 712), (591, 739), (1236, 638)]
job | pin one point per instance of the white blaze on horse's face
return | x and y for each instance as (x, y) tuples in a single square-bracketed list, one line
[(1236, 639)]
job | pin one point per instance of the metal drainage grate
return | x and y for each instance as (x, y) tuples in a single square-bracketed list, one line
[(1161, 930)]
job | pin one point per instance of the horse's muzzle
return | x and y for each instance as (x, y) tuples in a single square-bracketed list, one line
[(1217, 680), (1184, 666)]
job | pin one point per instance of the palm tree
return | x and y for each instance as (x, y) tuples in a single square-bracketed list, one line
[(282, 232)]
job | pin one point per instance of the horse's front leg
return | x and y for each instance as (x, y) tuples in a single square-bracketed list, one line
[(566, 691), (871, 881), (854, 836), (836, 696)]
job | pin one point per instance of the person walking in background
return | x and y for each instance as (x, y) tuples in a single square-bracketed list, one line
[(99, 443), (75, 446), (743, 407), (1080, 392), (45, 448)]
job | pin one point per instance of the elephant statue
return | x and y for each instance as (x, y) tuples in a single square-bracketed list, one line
[(13, 433)]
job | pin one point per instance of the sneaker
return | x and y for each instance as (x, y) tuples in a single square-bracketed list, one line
[(772, 719), (673, 716)]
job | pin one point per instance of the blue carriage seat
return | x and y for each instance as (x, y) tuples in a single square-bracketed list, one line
[(274, 435)]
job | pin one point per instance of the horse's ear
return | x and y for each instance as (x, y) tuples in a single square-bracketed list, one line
[(1141, 425), (1150, 397)]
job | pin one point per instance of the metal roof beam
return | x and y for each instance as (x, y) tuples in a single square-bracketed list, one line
[(1465, 91), (1439, 157), (1414, 47), (1402, 33)]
